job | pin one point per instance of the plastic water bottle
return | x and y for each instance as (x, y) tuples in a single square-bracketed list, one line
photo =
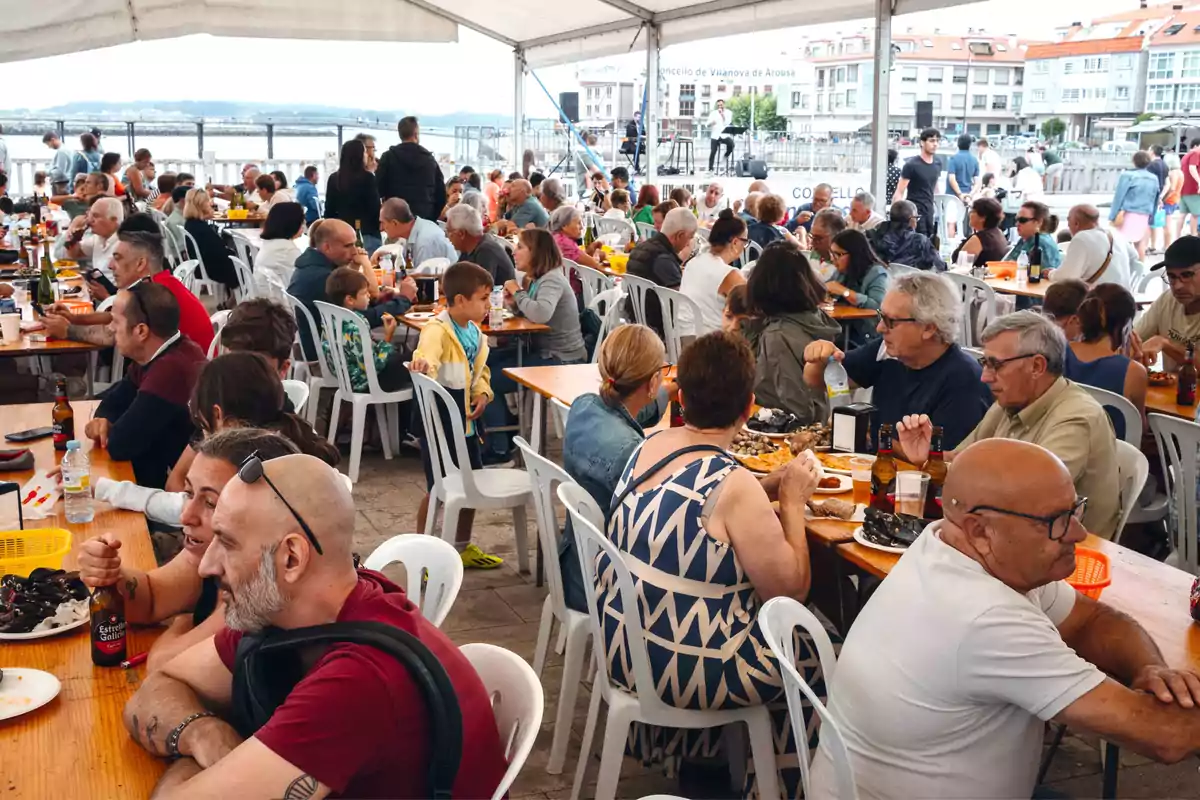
[(837, 383), (1022, 269), (496, 314), (77, 484)]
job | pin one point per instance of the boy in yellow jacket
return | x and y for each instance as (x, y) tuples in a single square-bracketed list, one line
[(453, 351)]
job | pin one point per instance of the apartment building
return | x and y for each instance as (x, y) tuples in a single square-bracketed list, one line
[(973, 83), (1173, 67)]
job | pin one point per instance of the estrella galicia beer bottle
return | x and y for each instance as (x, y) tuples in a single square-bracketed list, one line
[(108, 627)]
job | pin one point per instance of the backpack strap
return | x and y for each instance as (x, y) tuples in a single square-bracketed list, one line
[(267, 667)]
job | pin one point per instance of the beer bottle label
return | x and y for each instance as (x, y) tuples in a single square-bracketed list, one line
[(108, 634), (64, 431)]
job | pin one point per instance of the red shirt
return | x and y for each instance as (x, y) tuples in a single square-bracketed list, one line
[(358, 723), (194, 321), (1189, 183)]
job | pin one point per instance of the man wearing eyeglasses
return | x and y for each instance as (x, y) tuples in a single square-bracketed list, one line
[(355, 723), (1173, 320), (1023, 359), (145, 417), (949, 697)]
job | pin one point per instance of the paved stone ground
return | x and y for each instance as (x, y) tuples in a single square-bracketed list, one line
[(503, 607)]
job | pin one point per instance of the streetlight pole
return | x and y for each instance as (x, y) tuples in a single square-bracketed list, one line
[(967, 90)]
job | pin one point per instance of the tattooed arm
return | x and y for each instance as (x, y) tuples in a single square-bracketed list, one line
[(251, 772), (171, 589)]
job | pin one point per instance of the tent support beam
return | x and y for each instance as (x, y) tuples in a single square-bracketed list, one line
[(632, 9), (879, 105), (579, 33), (463, 21), (650, 114), (518, 108)]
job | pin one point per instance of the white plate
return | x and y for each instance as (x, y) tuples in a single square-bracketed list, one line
[(865, 542), (845, 484), (848, 455), (21, 637), (25, 690), (420, 315)]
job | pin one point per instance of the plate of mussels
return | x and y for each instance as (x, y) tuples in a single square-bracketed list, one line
[(891, 533), (47, 603), (773, 423)]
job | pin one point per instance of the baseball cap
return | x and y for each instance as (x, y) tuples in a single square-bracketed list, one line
[(95, 132), (1183, 253)]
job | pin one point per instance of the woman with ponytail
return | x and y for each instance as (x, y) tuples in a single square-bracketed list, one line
[(1097, 357)]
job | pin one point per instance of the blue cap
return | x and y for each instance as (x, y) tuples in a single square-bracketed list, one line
[(73, 444)]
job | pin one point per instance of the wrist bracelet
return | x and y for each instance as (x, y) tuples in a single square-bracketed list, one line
[(173, 736)]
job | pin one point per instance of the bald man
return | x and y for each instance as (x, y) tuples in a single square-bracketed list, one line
[(524, 210), (822, 198), (355, 723), (1095, 255), (974, 641)]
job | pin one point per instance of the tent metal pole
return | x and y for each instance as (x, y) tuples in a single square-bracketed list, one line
[(518, 108), (650, 113), (879, 106)]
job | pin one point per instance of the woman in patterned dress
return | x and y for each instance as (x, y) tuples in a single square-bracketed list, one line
[(706, 549)]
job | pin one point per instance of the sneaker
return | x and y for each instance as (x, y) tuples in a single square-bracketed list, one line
[(474, 558)]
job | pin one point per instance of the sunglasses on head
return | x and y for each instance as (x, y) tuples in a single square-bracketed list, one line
[(251, 471)]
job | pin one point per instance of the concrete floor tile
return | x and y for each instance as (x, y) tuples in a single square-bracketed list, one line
[(480, 610)]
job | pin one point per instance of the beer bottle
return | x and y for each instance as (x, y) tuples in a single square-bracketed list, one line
[(936, 467), (883, 473), (408, 261), (108, 627), (62, 416), (358, 240), (588, 237), (1185, 392), (45, 292)]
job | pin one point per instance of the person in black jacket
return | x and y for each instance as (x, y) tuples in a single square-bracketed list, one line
[(351, 194), (410, 172), (197, 211), (660, 259)]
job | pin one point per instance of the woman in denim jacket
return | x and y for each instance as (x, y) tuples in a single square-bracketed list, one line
[(604, 429), (1135, 201)]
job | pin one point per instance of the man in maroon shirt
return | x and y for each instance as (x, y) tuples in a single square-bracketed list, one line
[(356, 724)]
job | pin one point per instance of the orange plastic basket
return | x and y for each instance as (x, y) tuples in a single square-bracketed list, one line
[(1092, 572)]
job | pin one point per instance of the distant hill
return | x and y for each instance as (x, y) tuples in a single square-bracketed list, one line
[(161, 110)]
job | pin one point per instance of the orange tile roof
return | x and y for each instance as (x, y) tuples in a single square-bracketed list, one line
[(942, 49), (1186, 35), (1084, 47)]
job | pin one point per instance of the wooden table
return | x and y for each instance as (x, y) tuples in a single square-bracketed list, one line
[(49, 347), (1006, 286), (518, 327), (1161, 400), (253, 220), (77, 745)]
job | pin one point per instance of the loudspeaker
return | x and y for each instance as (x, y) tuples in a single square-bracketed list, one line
[(752, 168), (924, 113), (569, 103)]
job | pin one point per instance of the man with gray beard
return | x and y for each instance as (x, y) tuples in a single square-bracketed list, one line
[(356, 723)]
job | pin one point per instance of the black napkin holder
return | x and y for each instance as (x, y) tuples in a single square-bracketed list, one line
[(851, 428)]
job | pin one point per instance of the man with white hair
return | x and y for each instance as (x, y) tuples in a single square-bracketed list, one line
[(464, 229), (916, 364), (1024, 355), (863, 216), (1095, 255), (93, 236), (412, 235), (660, 258), (710, 205)]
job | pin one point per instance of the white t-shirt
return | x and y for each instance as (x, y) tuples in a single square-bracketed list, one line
[(1086, 254), (945, 680), (702, 276), (99, 251), (718, 121), (706, 213), (989, 161)]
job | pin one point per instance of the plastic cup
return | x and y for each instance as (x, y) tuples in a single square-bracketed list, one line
[(910, 492), (10, 328), (860, 479)]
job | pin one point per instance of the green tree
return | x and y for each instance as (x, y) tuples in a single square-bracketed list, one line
[(1053, 128), (1145, 116), (766, 116)]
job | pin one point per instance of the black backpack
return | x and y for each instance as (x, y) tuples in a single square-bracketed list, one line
[(267, 667)]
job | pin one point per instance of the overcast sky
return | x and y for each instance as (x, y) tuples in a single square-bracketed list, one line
[(471, 75)]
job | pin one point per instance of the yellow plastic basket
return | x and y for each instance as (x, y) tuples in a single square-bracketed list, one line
[(237, 213), (21, 552)]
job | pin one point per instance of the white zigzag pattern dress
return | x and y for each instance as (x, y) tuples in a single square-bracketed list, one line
[(699, 614)]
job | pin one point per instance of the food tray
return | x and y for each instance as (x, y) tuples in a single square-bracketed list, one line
[(1092, 572), (21, 552)]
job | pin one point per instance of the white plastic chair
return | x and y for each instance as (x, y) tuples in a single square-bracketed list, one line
[(675, 328), (324, 376), (171, 249), (517, 703), (1133, 420), (751, 256), (645, 231), (185, 273), (639, 289), (897, 269), (573, 625), (433, 266), (778, 619), (977, 311), (643, 704), (297, 392), (1144, 282), (1132, 471), (609, 306), (611, 226), (218, 321), (459, 487), (433, 571), (332, 319), (246, 285), (594, 282), (203, 283), (242, 246), (1178, 441), (949, 209)]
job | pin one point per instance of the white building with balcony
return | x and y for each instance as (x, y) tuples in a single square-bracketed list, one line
[(1173, 68), (973, 83)]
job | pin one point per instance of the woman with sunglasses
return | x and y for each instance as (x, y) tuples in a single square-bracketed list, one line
[(710, 276), (1097, 358), (861, 280), (1036, 227)]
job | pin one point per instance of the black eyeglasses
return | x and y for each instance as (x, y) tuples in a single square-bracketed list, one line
[(1178, 277), (892, 322), (251, 470), (1023, 220), (994, 364), (1057, 525)]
